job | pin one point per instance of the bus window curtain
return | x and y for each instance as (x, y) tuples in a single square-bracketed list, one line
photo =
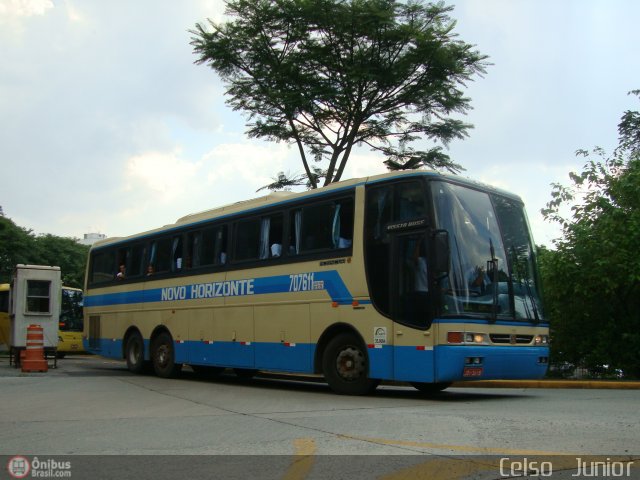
[(152, 255), (298, 226), (264, 238), (335, 237), (176, 261), (220, 257), (197, 240)]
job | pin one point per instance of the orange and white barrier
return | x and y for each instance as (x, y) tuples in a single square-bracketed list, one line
[(33, 359)]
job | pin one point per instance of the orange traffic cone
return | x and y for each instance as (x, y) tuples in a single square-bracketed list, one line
[(33, 360)]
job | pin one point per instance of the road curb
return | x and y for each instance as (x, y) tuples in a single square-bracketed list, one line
[(578, 384)]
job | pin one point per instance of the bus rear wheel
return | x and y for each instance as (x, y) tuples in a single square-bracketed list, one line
[(430, 388), (163, 355), (345, 366), (134, 353)]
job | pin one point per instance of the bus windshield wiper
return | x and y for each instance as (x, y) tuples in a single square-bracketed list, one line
[(493, 264), (532, 299)]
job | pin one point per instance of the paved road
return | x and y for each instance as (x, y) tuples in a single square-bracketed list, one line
[(94, 406)]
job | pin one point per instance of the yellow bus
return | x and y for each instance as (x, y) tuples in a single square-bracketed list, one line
[(71, 322), (5, 328), (414, 276)]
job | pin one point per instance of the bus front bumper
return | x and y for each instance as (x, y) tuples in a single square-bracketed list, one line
[(464, 362)]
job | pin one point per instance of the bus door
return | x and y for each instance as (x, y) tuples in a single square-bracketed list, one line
[(411, 308)]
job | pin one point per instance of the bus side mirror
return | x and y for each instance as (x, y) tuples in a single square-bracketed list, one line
[(442, 253)]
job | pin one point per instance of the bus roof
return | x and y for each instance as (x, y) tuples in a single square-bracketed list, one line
[(275, 198)]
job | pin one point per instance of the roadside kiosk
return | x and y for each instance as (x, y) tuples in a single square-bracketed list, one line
[(34, 300)]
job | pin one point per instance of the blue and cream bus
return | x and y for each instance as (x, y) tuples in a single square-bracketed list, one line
[(415, 276)]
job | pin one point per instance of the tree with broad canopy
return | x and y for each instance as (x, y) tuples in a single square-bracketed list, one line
[(20, 245), (592, 278), (328, 75)]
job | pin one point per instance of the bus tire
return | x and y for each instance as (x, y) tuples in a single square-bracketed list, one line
[(345, 366), (163, 356), (430, 388), (134, 353)]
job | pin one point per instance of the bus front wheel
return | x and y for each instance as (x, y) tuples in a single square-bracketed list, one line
[(134, 353), (345, 366), (163, 354)]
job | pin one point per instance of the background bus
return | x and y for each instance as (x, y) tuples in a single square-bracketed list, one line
[(414, 276), (71, 322)]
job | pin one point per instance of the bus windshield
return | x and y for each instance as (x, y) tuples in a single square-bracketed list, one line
[(71, 310), (492, 272)]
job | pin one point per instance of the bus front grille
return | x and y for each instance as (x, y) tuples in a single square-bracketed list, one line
[(513, 339)]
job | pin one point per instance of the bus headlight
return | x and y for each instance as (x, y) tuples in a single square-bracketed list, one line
[(475, 338), (541, 340), (467, 338)]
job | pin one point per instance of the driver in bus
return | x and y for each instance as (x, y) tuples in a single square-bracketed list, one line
[(478, 280)]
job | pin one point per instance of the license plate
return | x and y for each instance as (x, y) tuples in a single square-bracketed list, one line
[(472, 372)]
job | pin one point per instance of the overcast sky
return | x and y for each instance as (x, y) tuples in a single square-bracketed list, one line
[(107, 125)]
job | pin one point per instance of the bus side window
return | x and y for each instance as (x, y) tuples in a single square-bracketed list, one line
[(247, 239), (327, 226), (271, 236), (122, 262), (295, 227), (201, 248), (194, 248), (160, 258), (343, 224), (177, 259), (103, 266), (317, 227), (220, 245), (207, 246), (135, 267)]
